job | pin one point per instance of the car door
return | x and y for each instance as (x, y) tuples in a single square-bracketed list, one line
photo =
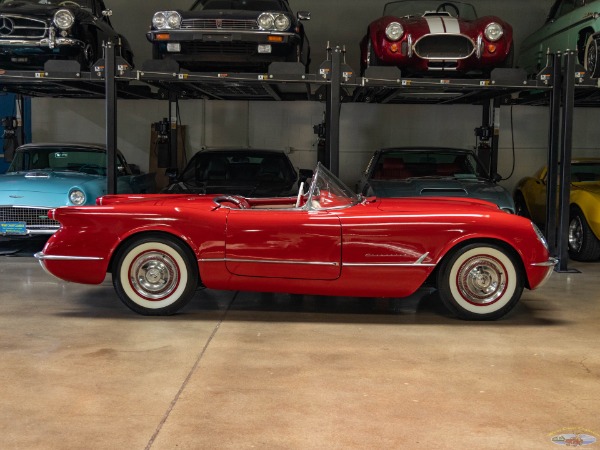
[(293, 243)]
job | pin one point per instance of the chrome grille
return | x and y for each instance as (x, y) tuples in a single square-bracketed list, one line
[(444, 46), (35, 218), (12, 27), (218, 24)]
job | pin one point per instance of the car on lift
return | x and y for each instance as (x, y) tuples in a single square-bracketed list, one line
[(431, 171), (240, 171), (432, 37), (44, 176), (328, 241), (33, 32), (584, 209), (571, 25), (233, 35)]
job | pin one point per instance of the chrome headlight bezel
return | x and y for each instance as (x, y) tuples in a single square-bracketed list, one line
[(266, 21), (166, 20), (493, 31), (540, 235), (394, 31), (63, 19), (77, 197), (282, 22)]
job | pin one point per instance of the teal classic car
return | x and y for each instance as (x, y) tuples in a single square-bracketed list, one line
[(571, 25), (45, 176)]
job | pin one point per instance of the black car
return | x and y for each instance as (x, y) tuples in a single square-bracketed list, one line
[(432, 171), (251, 173), (35, 31), (238, 35)]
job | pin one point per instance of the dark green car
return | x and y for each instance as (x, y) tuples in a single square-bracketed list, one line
[(571, 25)]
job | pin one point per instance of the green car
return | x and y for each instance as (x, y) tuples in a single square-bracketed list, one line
[(571, 25)]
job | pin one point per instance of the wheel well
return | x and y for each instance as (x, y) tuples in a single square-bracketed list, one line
[(160, 234), (582, 38), (509, 249)]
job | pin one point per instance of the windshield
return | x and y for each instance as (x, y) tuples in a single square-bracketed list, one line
[(327, 191), (82, 3), (407, 8), (401, 164), (582, 172), (246, 5), (92, 162), (241, 166)]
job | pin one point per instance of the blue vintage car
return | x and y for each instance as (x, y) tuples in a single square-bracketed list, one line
[(432, 171), (45, 176)]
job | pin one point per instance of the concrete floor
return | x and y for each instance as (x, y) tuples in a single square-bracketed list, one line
[(237, 370)]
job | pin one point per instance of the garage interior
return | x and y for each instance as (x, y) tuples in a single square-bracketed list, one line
[(254, 370)]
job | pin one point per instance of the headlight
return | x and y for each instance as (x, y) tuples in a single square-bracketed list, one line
[(394, 31), (77, 197), (64, 19), (540, 235), (166, 20), (266, 21), (493, 32), (282, 22)]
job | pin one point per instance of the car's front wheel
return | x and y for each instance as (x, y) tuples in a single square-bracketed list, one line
[(583, 244), (155, 275), (480, 281)]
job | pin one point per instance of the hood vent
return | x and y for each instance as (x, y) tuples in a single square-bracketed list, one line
[(443, 191)]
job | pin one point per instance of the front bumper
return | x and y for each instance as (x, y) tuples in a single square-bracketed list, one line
[(209, 35), (43, 43), (546, 268)]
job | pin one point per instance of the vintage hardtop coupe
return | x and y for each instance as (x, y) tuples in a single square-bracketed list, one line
[(329, 241), (436, 37)]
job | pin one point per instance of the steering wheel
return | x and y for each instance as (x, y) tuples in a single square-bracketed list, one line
[(445, 5), (300, 194), (231, 199), (69, 3), (92, 169)]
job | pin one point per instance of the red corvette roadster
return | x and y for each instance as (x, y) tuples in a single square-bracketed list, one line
[(430, 36), (328, 241)]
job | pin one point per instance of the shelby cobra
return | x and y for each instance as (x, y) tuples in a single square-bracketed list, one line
[(33, 32), (432, 171), (430, 36), (44, 176), (329, 241), (230, 35), (584, 214)]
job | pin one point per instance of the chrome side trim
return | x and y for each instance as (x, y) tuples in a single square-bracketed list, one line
[(270, 261), (387, 265), (40, 256)]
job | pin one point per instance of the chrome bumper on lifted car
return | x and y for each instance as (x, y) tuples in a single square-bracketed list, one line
[(42, 43), (220, 35)]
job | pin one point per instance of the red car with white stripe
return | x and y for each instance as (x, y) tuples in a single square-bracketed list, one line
[(422, 37)]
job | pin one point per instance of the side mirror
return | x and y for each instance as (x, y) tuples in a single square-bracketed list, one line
[(304, 175), (303, 15), (172, 173)]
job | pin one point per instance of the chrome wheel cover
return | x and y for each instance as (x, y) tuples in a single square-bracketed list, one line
[(591, 58), (154, 275), (576, 234), (481, 280)]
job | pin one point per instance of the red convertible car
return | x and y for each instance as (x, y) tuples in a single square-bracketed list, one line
[(422, 37), (328, 241)]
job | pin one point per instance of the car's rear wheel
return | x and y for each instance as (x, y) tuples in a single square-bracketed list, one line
[(583, 244), (591, 58), (480, 281), (155, 275)]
